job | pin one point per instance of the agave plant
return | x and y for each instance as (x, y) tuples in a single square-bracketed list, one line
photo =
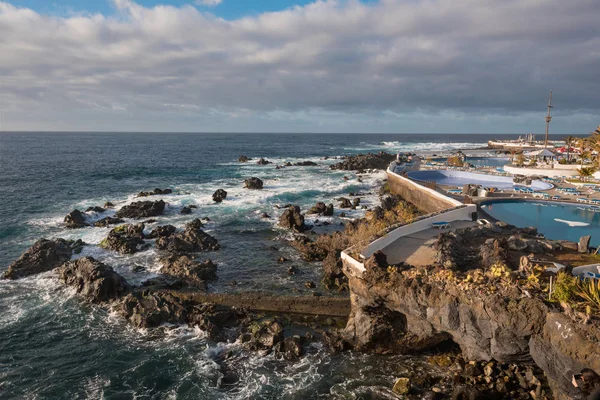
[(589, 291)]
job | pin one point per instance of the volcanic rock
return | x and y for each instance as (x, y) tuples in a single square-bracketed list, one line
[(141, 209), (95, 281), (154, 192), (322, 209), (106, 221), (344, 202), (161, 231), (365, 161), (584, 244), (293, 219), (126, 239), (75, 219), (184, 266), (192, 239), (253, 183), (306, 164), (262, 161), (244, 159), (44, 255), (186, 210), (95, 209), (219, 195)]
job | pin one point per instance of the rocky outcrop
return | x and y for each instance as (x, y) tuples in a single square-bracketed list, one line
[(344, 202), (584, 244), (96, 209), (253, 183), (44, 255), (75, 219), (161, 231), (106, 221), (95, 281), (125, 239), (185, 210), (244, 159), (293, 219), (306, 164), (219, 195), (186, 267), (156, 191), (322, 209), (141, 209), (365, 161), (192, 239), (262, 161)]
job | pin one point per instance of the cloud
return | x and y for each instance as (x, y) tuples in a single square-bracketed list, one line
[(209, 3), (428, 57)]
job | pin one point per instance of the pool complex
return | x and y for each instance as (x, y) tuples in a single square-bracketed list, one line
[(556, 221), (461, 178), (481, 161)]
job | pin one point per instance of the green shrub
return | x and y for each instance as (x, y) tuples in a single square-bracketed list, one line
[(565, 288)]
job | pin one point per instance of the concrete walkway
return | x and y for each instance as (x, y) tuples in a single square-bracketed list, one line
[(417, 249)]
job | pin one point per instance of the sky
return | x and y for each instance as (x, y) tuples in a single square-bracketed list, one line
[(386, 66)]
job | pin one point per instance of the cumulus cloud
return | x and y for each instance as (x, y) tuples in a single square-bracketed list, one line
[(405, 57), (209, 3)]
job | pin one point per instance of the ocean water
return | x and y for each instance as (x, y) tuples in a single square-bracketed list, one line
[(52, 346)]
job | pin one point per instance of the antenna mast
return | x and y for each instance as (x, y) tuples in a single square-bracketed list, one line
[(548, 119)]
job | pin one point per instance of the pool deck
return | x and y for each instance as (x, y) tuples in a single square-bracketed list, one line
[(417, 248)]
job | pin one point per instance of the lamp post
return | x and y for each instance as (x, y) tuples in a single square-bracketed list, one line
[(548, 119)]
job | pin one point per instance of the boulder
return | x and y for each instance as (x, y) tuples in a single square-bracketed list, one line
[(293, 219), (289, 348), (192, 239), (125, 239), (106, 221), (95, 209), (253, 183), (365, 161), (402, 386), (161, 231), (184, 266), (219, 195), (244, 159), (306, 164), (44, 255), (141, 209), (154, 192), (584, 244), (265, 334), (344, 202), (75, 219), (108, 204), (95, 281), (262, 161), (186, 210), (322, 209)]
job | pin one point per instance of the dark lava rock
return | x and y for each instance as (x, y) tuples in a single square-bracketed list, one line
[(126, 239), (306, 164), (154, 192), (244, 159), (192, 239), (184, 266), (344, 202), (141, 209), (356, 201), (290, 348), (108, 204), (161, 231), (293, 219), (219, 195), (253, 183), (389, 202), (265, 215), (322, 209), (584, 244), (262, 161), (95, 209), (95, 281), (310, 285), (75, 219), (106, 221), (44, 255), (186, 210), (265, 334), (365, 161)]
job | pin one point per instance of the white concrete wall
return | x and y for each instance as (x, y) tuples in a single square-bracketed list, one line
[(461, 214), (552, 172), (416, 186)]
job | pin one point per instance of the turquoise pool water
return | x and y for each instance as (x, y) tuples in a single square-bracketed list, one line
[(555, 221), (461, 178), (482, 161)]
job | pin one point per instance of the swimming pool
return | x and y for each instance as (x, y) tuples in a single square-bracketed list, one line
[(482, 161), (461, 178), (557, 221)]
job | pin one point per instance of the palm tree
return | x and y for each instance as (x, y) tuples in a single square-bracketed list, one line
[(569, 141)]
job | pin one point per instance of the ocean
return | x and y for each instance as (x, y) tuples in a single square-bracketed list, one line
[(53, 346)]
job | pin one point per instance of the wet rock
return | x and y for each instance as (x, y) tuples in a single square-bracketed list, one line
[(185, 210), (75, 219), (265, 334), (322, 209), (106, 221), (262, 161), (125, 239), (108, 204), (289, 349), (253, 183), (342, 215), (244, 159), (44, 255), (356, 202), (402, 386), (192, 239), (185, 266), (493, 252), (293, 219), (389, 202), (95, 209), (265, 215), (462, 392), (156, 191), (292, 270), (95, 281), (141, 209), (584, 244), (306, 164), (344, 202), (161, 231), (309, 285), (365, 161), (219, 195), (376, 214)]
